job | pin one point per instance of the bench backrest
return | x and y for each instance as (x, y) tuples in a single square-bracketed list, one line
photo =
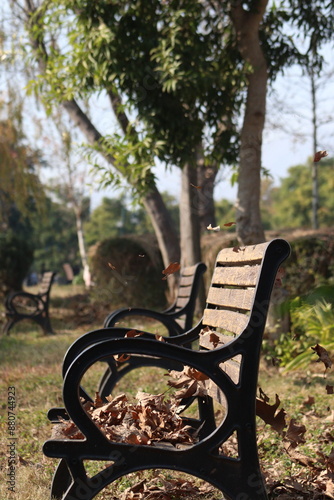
[(46, 283), (189, 283), (238, 301)]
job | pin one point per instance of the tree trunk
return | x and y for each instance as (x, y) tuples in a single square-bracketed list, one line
[(206, 176), (190, 225), (248, 216), (165, 233), (82, 248)]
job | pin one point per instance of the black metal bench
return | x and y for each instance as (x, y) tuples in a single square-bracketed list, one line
[(231, 330), (177, 319), (24, 305)]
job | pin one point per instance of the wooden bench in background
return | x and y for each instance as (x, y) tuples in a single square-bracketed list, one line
[(231, 331), (22, 305), (177, 319)]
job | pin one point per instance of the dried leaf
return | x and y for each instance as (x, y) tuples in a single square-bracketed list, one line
[(122, 358), (330, 389), (318, 155), (210, 228), (229, 224), (295, 433), (309, 401), (98, 401), (171, 269), (133, 333), (214, 339), (111, 266), (279, 276), (269, 416), (323, 355)]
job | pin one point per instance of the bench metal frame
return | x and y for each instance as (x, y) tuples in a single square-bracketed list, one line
[(238, 478), (39, 303)]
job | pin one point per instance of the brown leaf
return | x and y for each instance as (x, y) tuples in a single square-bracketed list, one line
[(309, 401), (318, 155), (279, 276), (229, 224), (98, 401), (111, 266), (122, 358), (295, 433), (133, 333), (269, 416), (323, 355), (214, 339), (171, 269), (330, 389)]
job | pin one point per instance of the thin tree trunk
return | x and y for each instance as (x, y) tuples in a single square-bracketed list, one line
[(206, 176), (248, 216), (190, 225), (82, 249)]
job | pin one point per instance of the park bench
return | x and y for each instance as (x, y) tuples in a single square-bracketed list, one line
[(177, 319), (229, 336), (22, 305)]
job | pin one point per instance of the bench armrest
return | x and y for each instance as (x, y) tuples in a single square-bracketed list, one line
[(166, 319), (89, 339), (35, 298)]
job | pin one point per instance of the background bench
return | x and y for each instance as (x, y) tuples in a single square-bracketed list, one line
[(22, 305), (231, 330)]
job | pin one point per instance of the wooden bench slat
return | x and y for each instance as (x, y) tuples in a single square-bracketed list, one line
[(231, 297), (181, 302), (244, 254), (184, 291), (186, 281), (235, 276), (228, 320)]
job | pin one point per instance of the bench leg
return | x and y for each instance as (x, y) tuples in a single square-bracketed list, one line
[(8, 326), (61, 481)]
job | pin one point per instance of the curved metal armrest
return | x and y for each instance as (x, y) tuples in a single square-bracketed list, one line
[(24, 295), (167, 320), (91, 338)]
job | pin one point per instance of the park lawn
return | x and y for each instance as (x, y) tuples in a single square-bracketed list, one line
[(31, 363)]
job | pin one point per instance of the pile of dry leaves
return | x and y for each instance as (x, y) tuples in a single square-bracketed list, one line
[(150, 420)]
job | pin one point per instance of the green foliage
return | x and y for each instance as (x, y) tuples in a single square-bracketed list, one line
[(128, 272), (290, 204), (310, 265), (310, 325), (55, 237), (117, 217), (16, 257)]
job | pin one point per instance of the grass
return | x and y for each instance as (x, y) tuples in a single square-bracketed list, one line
[(31, 362)]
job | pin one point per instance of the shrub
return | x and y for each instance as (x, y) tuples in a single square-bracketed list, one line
[(16, 257), (311, 324), (127, 273)]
